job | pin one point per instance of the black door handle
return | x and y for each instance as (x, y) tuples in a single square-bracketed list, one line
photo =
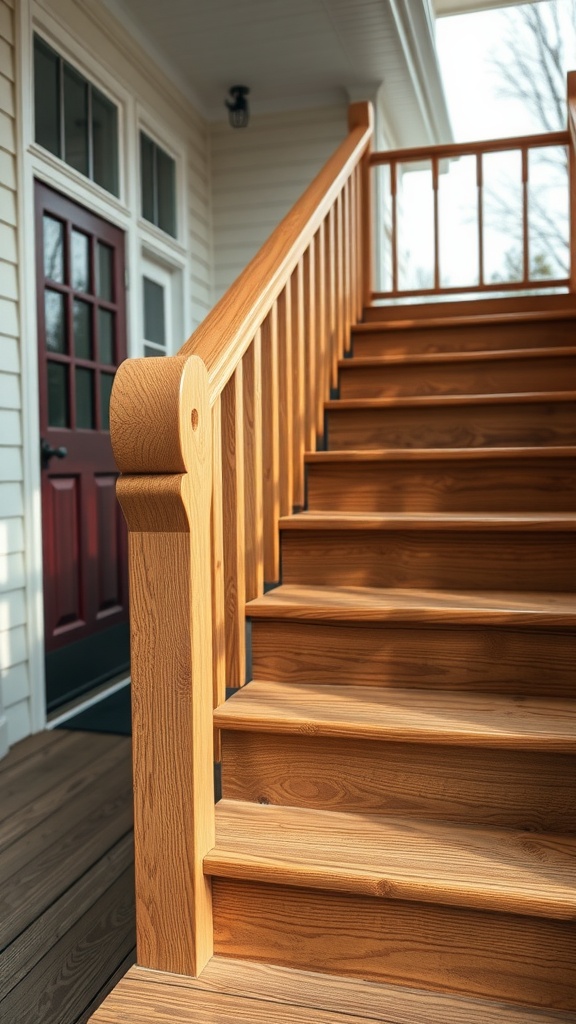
[(47, 452)]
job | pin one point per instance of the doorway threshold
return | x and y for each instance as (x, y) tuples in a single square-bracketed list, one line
[(74, 707)]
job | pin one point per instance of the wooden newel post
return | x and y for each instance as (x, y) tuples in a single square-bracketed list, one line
[(162, 441), (361, 115), (571, 98)]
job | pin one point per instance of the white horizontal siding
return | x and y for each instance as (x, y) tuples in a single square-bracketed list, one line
[(258, 173), (14, 682)]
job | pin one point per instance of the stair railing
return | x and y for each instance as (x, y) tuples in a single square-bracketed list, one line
[(210, 446), (391, 165)]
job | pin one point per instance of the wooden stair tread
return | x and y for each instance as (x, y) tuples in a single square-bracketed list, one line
[(435, 401), (465, 319), (238, 991), (470, 356), (441, 454), (379, 604), (396, 858), (476, 521), (458, 718)]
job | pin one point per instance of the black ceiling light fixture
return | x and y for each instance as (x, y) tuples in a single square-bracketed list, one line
[(238, 110)]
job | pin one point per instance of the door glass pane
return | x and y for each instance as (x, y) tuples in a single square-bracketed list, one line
[(105, 141), (80, 262), (166, 169), (75, 120), (106, 380), (53, 249), (82, 329), (54, 312), (149, 351), (106, 336), (104, 272), (58, 409), (46, 97), (154, 318), (84, 399), (147, 176)]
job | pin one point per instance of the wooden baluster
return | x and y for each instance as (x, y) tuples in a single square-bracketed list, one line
[(356, 246), (161, 434), (298, 392), (217, 545), (271, 446), (362, 114), (347, 260), (331, 298), (571, 91), (321, 334), (480, 184), (310, 345), (252, 386), (340, 278), (286, 399), (436, 225), (393, 193), (525, 233), (234, 532)]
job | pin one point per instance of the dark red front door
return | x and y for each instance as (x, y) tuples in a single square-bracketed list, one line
[(82, 339)]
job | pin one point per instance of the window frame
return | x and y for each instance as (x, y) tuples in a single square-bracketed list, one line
[(92, 82), (145, 130)]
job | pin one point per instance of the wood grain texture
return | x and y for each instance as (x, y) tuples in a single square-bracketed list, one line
[(322, 361), (253, 468), (234, 530), (217, 564), (55, 988), (298, 391), (460, 334), (445, 422), (487, 658), (373, 604), (286, 398), (271, 445), (310, 343), (396, 858), (571, 111), (387, 1004), (547, 370), (447, 949), (447, 559), (408, 716), (362, 114), (239, 990), (468, 785), (172, 679), (445, 480), (511, 307)]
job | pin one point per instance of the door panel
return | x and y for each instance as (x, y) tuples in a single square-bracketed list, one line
[(81, 341)]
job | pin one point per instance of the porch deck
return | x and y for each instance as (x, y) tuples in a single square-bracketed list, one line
[(66, 875)]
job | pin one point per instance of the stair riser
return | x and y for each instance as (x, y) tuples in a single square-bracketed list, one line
[(424, 558), (510, 788), (492, 337), (461, 426), (498, 377), (458, 657), (500, 956), (498, 485)]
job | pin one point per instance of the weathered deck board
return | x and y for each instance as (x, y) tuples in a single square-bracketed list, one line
[(66, 875)]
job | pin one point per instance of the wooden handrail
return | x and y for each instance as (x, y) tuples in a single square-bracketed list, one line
[(457, 149), (223, 337)]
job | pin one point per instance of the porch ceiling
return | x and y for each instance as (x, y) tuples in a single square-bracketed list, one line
[(294, 53)]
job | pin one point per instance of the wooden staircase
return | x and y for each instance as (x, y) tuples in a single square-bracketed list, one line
[(395, 840), (399, 778)]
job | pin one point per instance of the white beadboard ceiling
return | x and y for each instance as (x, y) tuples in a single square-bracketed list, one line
[(295, 53)]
